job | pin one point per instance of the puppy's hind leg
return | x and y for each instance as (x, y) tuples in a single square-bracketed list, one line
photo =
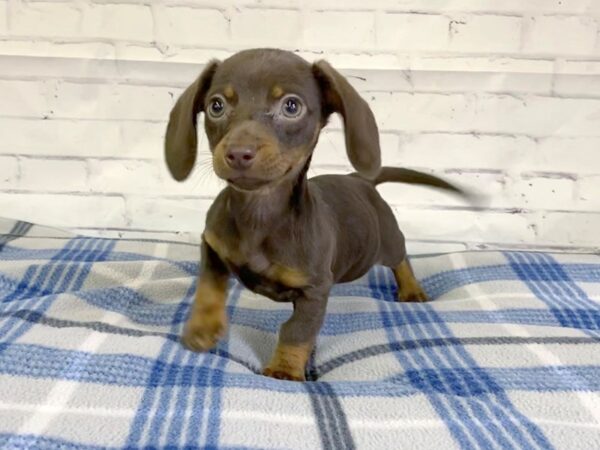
[(409, 289), (393, 255)]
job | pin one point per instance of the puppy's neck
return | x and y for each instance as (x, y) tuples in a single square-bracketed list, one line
[(256, 213)]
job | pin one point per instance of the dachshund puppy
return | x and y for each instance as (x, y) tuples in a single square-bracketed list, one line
[(282, 235)]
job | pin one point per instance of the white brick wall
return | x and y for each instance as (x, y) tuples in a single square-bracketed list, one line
[(485, 33), (559, 34), (499, 96)]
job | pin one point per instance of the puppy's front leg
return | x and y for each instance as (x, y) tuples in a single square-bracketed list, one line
[(208, 318), (297, 337)]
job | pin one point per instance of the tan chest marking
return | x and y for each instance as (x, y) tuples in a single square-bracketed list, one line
[(225, 253), (288, 276)]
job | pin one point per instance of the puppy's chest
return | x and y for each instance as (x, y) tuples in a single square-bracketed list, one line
[(258, 272)]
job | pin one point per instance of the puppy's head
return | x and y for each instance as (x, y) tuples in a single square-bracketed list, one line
[(263, 112)]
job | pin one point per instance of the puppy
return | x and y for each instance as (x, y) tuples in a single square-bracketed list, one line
[(282, 235)]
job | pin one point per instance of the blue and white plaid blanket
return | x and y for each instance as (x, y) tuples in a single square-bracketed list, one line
[(506, 356)]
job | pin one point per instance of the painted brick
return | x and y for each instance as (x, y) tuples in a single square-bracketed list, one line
[(191, 26), (9, 171), (489, 191), (589, 192), (58, 49), (23, 98), (200, 184), (458, 79), (150, 178), (143, 140), (349, 59), (482, 33), (128, 176), (485, 63), (64, 210), (53, 175), (505, 6), (515, 6), (338, 29), (467, 151), (116, 21), (412, 32), (423, 112), (460, 225), (331, 149), (105, 101), (564, 228), (577, 67), (488, 187), (419, 247), (119, 139), (560, 35), (314, 171), (482, 189), (577, 155), (577, 85), (3, 16), (441, 6), (45, 19), (537, 116), (284, 27), (534, 192), (464, 80), (186, 215)]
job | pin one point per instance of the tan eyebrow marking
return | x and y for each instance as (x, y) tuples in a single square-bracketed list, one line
[(277, 91), (229, 93)]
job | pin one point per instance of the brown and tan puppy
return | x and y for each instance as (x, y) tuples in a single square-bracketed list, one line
[(285, 236)]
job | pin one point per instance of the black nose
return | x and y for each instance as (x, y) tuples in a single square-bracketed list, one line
[(240, 157)]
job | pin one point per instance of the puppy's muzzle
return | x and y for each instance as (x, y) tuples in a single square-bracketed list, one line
[(240, 157)]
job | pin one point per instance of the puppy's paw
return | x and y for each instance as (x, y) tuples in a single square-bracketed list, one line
[(413, 296), (409, 288), (203, 331), (284, 374), (289, 362)]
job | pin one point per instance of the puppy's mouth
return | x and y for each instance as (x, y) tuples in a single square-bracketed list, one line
[(248, 183)]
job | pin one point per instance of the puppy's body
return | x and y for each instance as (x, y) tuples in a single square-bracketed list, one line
[(338, 229), (285, 236)]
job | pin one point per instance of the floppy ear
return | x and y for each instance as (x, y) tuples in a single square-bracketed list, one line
[(360, 129), (180, 140)]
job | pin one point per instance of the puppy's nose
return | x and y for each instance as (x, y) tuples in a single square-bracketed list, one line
[(240, 157)]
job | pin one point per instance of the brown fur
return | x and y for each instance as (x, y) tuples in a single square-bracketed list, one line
[(283, 235)]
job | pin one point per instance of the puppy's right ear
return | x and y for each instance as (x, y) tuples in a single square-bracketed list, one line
[(180, 140)]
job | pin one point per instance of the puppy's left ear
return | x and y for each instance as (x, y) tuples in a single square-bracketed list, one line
[(360, 128), (180, 140)]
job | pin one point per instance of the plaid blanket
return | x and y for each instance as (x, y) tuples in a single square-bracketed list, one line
[(506, 356)]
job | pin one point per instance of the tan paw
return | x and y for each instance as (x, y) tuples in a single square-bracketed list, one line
[(289, 362), (417, 295), (203, 331), (284, 374), (409, 289)]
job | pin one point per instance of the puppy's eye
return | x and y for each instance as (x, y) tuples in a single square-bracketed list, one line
[(291, 106), (216, 107)]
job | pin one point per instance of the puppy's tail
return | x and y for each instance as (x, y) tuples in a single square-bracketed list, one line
[(409, 176)]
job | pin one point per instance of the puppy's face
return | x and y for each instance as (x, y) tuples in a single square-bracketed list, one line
[(263, 111), (262, 117)]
